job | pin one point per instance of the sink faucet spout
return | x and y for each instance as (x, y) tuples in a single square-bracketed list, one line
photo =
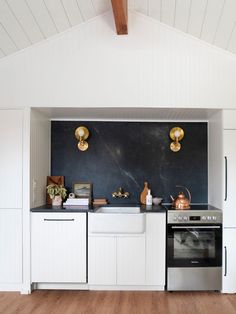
[(120, 193)]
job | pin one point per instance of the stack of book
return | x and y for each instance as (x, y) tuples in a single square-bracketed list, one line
[(100, 201), (76, 202)]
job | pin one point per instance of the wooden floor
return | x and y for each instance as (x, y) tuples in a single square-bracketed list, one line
[(67, 302)]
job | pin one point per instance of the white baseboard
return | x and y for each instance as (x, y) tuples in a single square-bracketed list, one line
[(25, 291), (126, 288), (60, 286), (74, 286), (10, 286), (226, 291)]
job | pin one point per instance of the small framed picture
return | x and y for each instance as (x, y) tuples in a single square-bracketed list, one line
[(83, 190)]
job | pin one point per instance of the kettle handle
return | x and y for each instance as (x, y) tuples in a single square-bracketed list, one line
[(189, 194)]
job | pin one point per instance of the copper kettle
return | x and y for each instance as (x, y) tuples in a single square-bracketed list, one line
[(181, 201)]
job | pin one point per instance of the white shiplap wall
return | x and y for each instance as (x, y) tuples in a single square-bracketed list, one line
[(25, 22), (215, 162), (40, 149), (213, 21), (90, 66)]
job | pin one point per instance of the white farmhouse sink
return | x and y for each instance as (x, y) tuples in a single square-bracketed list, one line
[(117, 220), (118, 210)]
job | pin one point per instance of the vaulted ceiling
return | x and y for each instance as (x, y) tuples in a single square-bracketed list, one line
[(26, 22)]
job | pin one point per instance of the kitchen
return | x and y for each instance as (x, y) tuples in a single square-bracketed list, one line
[(110, 166), (47, 95)]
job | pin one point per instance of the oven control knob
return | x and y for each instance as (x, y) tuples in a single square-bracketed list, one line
[(180, 218), (204, 218), (214, 218), (185, 218), (175, 218), (208, 217)]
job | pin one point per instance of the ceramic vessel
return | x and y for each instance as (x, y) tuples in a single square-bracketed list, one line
[(57, 200), (157, 200)]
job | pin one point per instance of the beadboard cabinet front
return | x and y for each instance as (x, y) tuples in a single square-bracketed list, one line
[(128, 261), (58, 247), (102, 260), (11, 139), (131, 260), (229, 273), (10, 246), (11, 200)]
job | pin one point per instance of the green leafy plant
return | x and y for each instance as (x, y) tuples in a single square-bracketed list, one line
[(54, 189)]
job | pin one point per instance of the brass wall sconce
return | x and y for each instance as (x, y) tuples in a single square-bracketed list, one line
[(176, 134), (82, 133)]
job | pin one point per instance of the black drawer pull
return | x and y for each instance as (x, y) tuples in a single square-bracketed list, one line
[(226, 179), (225, 274), (58, 219)]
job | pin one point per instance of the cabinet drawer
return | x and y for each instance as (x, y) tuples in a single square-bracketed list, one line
[(58, 247)]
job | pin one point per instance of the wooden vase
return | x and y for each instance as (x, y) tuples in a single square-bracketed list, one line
[(144, 194)]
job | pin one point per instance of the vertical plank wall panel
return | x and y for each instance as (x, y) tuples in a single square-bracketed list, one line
[(11, 201), (11, 139)]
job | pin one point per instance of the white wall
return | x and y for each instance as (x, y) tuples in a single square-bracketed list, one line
[(90, 66), (215, 160), (40, 153)]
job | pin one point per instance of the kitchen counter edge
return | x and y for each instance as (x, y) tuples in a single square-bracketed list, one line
[(92, 209)]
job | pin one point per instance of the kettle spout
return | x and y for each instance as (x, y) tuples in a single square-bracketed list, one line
[(172, 198)]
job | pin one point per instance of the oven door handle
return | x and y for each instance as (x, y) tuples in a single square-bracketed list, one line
[(196, 227)]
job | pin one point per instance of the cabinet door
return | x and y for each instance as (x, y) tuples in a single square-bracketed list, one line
[(10, 246), (131, 260), (102, 260), (229, 257), (155, 249), (230, 180), (58, 247), (11, 139)]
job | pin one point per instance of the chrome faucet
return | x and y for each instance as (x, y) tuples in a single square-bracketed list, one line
[(120, 193)]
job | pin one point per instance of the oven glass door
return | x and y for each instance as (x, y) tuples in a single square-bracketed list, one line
[(194, 246)]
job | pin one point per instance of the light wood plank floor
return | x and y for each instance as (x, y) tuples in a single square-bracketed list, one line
[(116, 302)]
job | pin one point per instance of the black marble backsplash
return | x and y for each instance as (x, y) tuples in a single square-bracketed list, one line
[(128, 153)]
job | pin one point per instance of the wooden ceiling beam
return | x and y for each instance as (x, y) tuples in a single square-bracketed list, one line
[(120, 12)]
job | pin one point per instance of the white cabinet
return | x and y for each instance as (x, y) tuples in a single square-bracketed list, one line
[(131, 260), (128, 259), (155, 249), (10, 246), (229, 213), (229, 119), (116, 259), (11, 200), (11, 139), (230, 178), (229, 258), (102, 260), (58, 247)]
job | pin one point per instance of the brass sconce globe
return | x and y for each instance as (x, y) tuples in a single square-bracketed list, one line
[(176, 134), (82, 133)]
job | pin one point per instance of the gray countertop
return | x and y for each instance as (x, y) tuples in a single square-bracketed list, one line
[(85, 209)]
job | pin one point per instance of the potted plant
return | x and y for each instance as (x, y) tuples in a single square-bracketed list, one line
[(56, 193)]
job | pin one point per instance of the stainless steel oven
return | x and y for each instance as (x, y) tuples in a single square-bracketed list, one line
[(194, 250)]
